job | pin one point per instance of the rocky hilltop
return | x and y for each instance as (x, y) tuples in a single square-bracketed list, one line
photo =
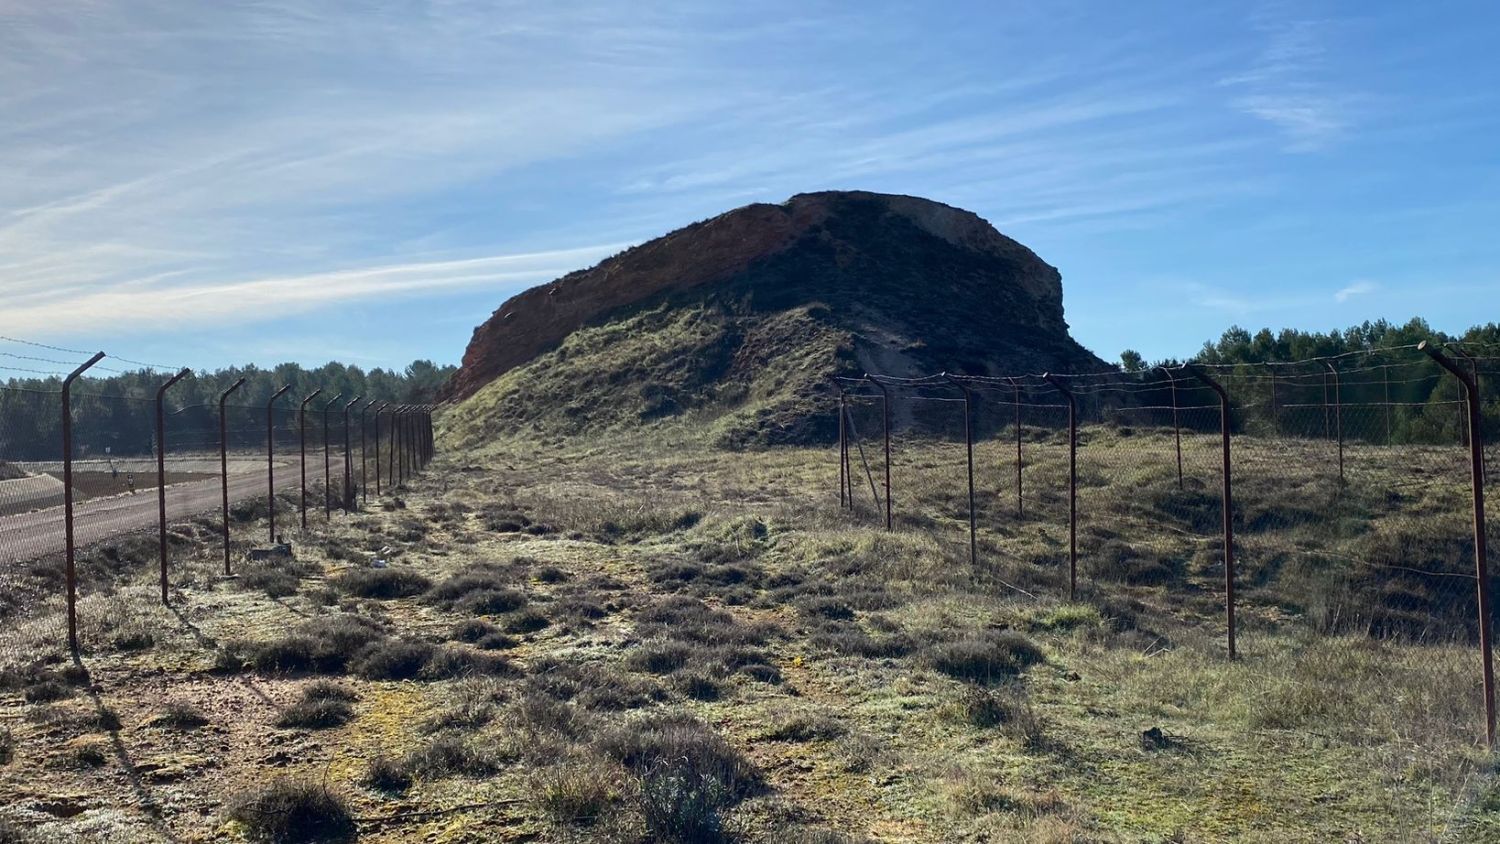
[(750, 312)]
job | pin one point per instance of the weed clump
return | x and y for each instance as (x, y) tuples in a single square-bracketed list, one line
[(986, 657), (181, 716), (447, 756), (678, 742), (384, 773), (293, 811), (323, 705), (805, 727), (1008, 708), (578, 793), (383, 584)]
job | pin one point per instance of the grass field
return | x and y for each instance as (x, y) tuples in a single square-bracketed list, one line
[(646, 638)]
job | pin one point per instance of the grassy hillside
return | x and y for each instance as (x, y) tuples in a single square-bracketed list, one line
[(760, 378), (641, 636)]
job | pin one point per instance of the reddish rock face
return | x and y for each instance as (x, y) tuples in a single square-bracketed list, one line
[(849, 238)]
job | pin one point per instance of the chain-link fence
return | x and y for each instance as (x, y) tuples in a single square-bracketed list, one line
[(115, 463), (1350, 484)]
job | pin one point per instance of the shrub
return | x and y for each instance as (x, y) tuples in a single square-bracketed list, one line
[(87, 754), (688, 746), (1008, 708), (292, 811), (659, 657), (382, 583), (490, 601), (316, 714), (7, 746), (698, 685), (681, 804), (384, 773), (577, 793), (181, 716), (496, 642), (328, 690), (472, 630), (448, 663), (275, 581), (987, 657), (322, 645), (46, 690), (450, 755), (551, 574), (526, 621), (480, 578), (808, 727), (591, 685), (392, 659)]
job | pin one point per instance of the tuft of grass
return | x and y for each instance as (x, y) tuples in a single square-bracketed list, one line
[(7, 746), (526, 621), (986, 657), (577, 793), (291, 811), (181, 716), (384, 773), (808, 726), (392, 659), (682, 804), (490, 601), (681, 743), (315, 714), (385, 584), (1008, 708), (450, 755)]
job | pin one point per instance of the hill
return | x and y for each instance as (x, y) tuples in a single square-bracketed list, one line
[(744, 317)]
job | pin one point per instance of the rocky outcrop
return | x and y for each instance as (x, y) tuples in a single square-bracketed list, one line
[(834, 247)]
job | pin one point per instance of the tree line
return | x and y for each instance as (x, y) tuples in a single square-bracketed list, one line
[(1390, 393), (117, 414)]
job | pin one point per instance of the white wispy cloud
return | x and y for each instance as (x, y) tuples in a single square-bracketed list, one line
[(131, 309), (1358, 288), (1287, 84)]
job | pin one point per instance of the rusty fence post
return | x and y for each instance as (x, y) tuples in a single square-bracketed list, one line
[(71, 572), (270, 461), (843, 454), (349, 458), (395, 425), (364, 430), (1016, 400), (302, 446), (969, 457), (1275, 415), (1176, 423), (161, 474), (224, 464), (327, 460), (1338, 415), (1385, 372), (885, 418), (1472, 399), (1227, 503), (1072, 483), (378, 410)]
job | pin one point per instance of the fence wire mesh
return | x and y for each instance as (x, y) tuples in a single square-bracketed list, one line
[(1352, 511)]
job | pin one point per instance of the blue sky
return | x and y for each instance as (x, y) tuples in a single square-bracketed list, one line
[(210, 183)]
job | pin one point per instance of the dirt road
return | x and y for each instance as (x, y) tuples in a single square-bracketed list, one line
[(26, 536)]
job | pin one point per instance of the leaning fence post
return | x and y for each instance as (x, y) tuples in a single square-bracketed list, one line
[(1227, 503), (1072, 483), (67, 437), (1176, 424), (224, 465), (302, 446), (161, 474), (969, 455), (1481, 562), (270, 464), (1338, 415), (885, 416), (327, 461)]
